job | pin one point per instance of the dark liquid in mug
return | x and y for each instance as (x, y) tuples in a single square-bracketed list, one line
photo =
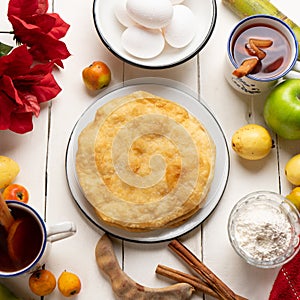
[(277, 56), (28, 242)]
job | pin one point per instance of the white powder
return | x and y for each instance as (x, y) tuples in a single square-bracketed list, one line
[(263, 232)]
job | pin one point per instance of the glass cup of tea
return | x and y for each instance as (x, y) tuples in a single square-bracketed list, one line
[(261, 50), (26, 245)]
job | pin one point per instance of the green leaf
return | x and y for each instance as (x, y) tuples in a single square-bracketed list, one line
[(4, 49)]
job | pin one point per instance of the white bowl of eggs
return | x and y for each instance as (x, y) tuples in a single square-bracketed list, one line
[(155, 34)]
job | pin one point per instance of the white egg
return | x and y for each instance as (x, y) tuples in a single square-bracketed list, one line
[(182, 28), (150, 13), (143, 43), (122, 15), (176, 1)]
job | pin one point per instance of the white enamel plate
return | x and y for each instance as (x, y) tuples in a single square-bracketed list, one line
[(178, 93)]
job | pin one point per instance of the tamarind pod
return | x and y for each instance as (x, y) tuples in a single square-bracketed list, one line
[(245, 8), (126, 288)]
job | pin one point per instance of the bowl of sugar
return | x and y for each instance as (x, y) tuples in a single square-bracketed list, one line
[(154, 34), (264, 229)]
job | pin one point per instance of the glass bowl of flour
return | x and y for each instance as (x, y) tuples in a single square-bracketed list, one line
[(264, 229)]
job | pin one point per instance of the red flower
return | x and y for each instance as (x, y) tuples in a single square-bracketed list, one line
[(39, 30), (22, 88)]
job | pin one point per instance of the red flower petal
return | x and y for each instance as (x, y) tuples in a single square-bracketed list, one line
[(39, 82), (17, 62), (42, 6), (24, 8), (22, 93), (21, 122), (47, 88), (30, 104), (23, 85), (60, 28), (7, 88), (49, 49), (51, 24), (6, 109), (11, 115), (44, 46), (26, 33), (44, 22)]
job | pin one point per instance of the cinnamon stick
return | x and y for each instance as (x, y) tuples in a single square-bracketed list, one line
[(6, 219), (179, 276), (224, 292)]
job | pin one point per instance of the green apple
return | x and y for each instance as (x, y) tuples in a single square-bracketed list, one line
[(282, 109)]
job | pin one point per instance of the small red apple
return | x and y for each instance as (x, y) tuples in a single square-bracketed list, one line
[(96, 76)]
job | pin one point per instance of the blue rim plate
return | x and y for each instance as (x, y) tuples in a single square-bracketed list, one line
[(180, 94), (110, 30)]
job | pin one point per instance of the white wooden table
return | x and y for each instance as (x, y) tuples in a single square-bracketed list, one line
[(41, 156)]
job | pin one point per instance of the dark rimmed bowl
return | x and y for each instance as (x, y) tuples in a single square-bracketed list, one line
[(110, 31)]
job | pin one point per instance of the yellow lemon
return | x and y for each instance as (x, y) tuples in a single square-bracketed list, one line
[(252, 142), (294, 197), (42, 282), (9, 169), (292, 170), (69, 284)]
